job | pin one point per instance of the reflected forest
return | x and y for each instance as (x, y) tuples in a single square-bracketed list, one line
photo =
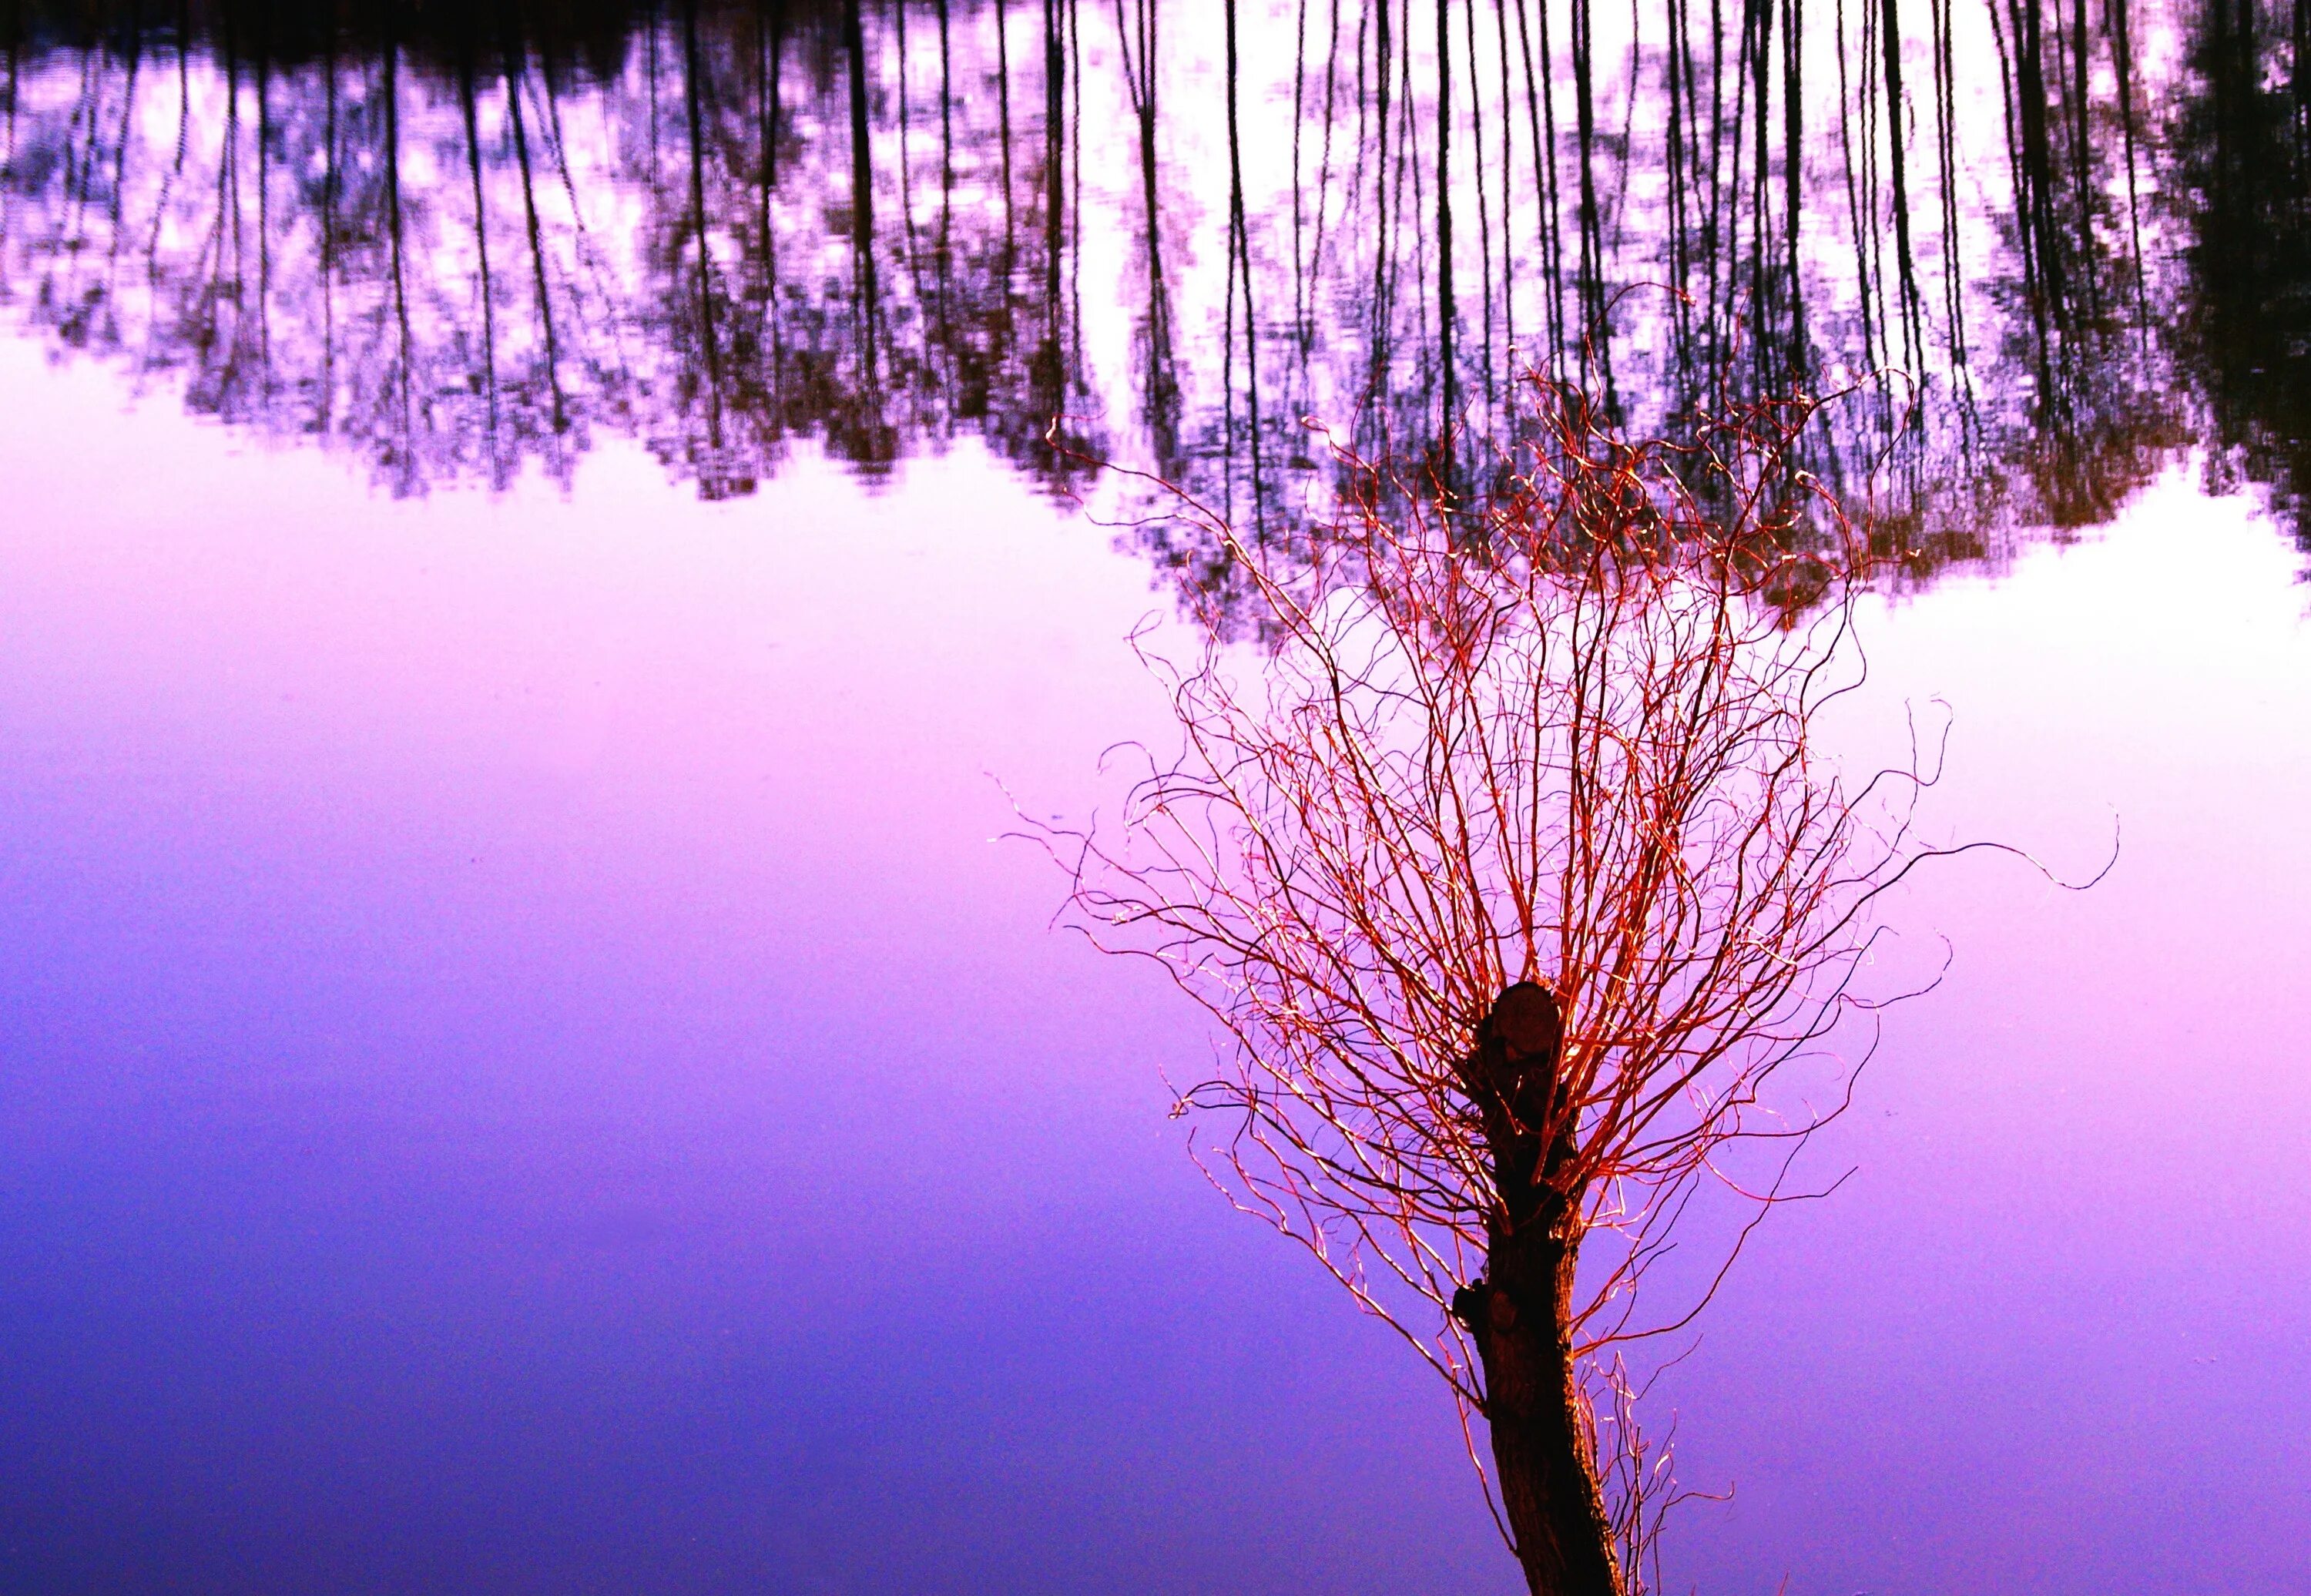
[(2041, 250)]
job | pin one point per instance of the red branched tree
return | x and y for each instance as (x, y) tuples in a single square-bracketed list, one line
[(1508, 861)]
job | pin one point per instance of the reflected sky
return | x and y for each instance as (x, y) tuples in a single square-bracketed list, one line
[(520, 1068)]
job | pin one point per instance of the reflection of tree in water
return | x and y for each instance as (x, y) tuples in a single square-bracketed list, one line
[(469, 250), (464, 241), (2245, 149)]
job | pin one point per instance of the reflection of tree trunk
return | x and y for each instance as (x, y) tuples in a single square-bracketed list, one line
[(1240, 260), (1047, 380), (1889, 39), (862, 205), (1299, 197), (1857, 218), (1793, 174), (326, 400), (946, 158), (227, 193), (2080, 158), (515, 72), (1540, 112), (1003, 127), (1507, 181), (406, 442), (769, 58), (694, 91), (1520, 1314), (2121, 38), (17, 92), (1756, 42), (1163, 400), (2032, 164), (1055, 117), (1945, 149), (1716, 224), (906, 154), (120, 151), (1679, 166), (184, 132), (263, 198), (1596, 335), (862, 166), (481, 248), (1073, 11), (1378, 311), (1445, 310)]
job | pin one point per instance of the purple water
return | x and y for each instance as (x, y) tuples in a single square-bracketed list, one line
[(521, 1070)]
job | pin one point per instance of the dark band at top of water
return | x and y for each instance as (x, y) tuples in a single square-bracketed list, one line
[(2049, 248)]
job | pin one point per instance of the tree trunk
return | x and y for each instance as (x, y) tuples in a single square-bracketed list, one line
[(1548, 1484), (1520, 1314)]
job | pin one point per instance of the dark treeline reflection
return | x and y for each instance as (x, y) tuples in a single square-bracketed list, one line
[(2047, 243)]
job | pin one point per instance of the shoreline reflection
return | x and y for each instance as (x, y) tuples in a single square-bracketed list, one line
[(2060, 249)]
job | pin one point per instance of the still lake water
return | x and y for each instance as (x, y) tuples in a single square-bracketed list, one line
[(522, 1069)]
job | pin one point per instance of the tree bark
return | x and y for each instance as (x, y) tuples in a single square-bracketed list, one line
[(1520, 1314), (1549, 1492)]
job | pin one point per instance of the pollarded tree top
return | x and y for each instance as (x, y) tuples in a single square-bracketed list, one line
[(1526, 1020)]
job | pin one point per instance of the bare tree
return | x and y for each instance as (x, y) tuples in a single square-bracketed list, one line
[(1509, 864)]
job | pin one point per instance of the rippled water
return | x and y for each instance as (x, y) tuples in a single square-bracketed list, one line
[(520, 1068)]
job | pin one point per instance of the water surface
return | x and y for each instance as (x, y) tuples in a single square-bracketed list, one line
[(520, 1065)]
